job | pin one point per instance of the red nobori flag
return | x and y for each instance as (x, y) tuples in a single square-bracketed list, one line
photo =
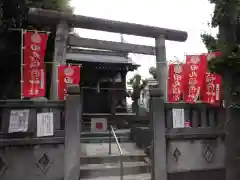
[(34, 73), (213, 82), (195, 70), (175, 82), (67, 75), (212, 89)]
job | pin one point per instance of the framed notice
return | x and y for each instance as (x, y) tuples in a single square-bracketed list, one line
[(178, 118), (18, 120), (45, 124)]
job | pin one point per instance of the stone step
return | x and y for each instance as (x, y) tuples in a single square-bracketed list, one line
[(113, 169), (111, 159), (104, 139), (102, 149), (145, 176), (118, 132)]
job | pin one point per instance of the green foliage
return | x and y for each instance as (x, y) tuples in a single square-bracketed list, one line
[(152, 71), (60, 5), (225, 17), (210, 42), (137, 84), (1, 14)]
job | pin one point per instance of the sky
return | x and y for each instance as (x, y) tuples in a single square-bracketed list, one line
[(187, 15)]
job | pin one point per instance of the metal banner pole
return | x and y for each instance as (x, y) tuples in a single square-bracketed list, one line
[(22, 62), (30, 30)]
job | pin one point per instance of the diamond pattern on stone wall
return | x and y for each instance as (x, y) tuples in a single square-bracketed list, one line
[(208, 153), (44, 163), (3, 165), (176, 154)]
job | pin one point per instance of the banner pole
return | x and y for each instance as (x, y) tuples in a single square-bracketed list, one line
[(30, 30), (57, 88), (22, 63)]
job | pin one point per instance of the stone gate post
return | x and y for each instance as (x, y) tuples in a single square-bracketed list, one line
[(157, 98), (72, 134)]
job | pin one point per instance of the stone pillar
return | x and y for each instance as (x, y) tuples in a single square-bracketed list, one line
[(60, 51), (72, 134), (157, 98), (161, 65)]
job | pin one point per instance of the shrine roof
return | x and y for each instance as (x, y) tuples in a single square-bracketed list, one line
[(100, 59)]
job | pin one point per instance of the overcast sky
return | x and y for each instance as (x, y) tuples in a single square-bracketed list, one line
[(188, 15)]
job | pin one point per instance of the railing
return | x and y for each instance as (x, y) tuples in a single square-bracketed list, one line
[(199, 116), (111, 131)]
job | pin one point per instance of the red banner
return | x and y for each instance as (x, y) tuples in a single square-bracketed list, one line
[(34, 72), (194, 75), (67, 75), (212, 90), (213, 83), (175, 82)]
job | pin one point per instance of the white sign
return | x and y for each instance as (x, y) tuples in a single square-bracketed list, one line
[(45, 124), (18, 120), (178, 118), (98, 124)]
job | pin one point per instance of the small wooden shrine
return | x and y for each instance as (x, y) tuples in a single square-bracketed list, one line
[(103, 79)]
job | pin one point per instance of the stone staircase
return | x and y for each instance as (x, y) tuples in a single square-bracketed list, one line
[(109, 166), (97, 164)]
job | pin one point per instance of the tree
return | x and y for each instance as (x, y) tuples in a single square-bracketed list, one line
[(13, 14), (152, 71), (226, 18), (137, 84)]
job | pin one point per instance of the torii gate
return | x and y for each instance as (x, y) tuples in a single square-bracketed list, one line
[(66, 21)]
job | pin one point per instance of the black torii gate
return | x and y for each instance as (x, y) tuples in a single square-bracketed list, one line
[(66, 21)]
